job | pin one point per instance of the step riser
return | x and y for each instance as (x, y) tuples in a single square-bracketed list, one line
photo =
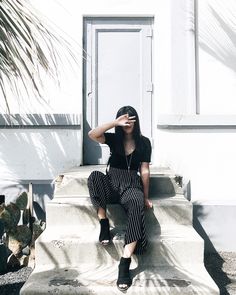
[(75, 215), (103, 281), (76, 252), (78, 187), (70, 260), (113, 290)]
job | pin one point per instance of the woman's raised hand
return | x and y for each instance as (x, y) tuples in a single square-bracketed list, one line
[(125, 120)]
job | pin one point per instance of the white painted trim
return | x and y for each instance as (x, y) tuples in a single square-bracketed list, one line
[(169, 121), (117, 15), (227, 202), (183, 58), (39, 120)]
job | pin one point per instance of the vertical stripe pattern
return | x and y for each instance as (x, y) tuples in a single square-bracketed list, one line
[(123, 187)]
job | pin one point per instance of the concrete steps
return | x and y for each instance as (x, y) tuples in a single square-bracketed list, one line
[(79, 211), (74, 183), (70, 260), (172, 245), (102, 280)]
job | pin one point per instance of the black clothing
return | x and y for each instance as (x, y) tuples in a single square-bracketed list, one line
[(139, 155), (125, 188)]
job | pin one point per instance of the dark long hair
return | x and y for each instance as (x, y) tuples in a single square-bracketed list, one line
[(119, 132)]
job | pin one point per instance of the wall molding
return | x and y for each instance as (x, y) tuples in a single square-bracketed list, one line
[(40, 121), (196, 121)]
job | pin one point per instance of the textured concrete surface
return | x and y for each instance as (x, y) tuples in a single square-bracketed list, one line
[(102, 280), (69, 259), (222, 268)]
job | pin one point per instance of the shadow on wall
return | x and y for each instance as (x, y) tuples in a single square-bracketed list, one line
[(220, 37), (37, 147), (39, 120), (212, 259), (92, 152)]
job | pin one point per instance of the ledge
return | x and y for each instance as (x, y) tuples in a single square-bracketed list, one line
[(196, 121), (43, 121)]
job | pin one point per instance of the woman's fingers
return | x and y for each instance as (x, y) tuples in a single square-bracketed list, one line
[(125, 120), (148, 204)]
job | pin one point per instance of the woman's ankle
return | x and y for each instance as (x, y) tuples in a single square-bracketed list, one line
[(101, 213)]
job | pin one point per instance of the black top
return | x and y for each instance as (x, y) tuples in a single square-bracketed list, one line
[(139, 155)]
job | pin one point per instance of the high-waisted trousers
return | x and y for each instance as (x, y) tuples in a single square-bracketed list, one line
[(123, 187)]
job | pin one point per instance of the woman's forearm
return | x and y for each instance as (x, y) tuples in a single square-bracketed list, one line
[(97, 133), (145, 176)]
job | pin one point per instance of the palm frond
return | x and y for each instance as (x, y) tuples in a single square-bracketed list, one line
[(26, 46)]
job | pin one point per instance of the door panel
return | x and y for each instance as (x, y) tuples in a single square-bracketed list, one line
[(117, 72)]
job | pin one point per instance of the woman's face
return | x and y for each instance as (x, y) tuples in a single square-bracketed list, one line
[(128, 129)]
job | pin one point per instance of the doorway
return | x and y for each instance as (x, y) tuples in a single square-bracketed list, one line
[(117, 72)]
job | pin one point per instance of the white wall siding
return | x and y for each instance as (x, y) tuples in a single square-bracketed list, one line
[(39, 154), (205, 157), (202, 152), (217, 66)]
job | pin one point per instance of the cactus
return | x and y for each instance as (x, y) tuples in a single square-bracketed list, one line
[(38, 228), (22, 234), (3, 258), (26, 216), (1, 229), (17, 237), (21, 201), (14, 212), (5, 216)]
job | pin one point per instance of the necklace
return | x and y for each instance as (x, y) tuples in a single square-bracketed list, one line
[(128, 162)]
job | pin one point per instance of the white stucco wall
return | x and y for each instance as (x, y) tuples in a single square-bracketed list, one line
[(67, 20), (204, 156), (37, 153), (173, 78), (173, 75), (217, 57)]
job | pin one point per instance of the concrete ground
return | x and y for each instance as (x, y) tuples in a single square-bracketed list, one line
[(221, 266)]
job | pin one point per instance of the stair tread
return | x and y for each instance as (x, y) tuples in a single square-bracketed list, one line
[(162, 180), (164, 199), (102, 280), (85, 170), (89, 234)]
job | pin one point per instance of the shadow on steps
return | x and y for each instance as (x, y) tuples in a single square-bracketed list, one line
[(212, 259)]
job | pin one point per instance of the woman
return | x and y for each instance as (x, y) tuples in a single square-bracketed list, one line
[(130, 154)]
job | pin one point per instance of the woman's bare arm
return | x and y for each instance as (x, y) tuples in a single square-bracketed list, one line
[(145, 176), (97, 134)]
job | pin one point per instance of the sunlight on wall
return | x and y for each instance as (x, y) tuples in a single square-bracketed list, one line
[(67, 86), (38, 154), (217, 56)]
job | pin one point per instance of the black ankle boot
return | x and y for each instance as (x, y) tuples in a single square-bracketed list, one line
[(105, 232), (124, 274)]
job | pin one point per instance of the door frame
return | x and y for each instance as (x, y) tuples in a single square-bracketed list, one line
[(89, 70)]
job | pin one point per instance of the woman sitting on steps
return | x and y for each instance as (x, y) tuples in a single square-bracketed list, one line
[(130, 154)]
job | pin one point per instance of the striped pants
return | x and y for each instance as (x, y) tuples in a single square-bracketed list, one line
[(125, 188)]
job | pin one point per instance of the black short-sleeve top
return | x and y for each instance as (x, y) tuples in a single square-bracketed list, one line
[(139, 155)]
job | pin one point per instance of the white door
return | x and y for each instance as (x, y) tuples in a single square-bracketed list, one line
[(117, 72)]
